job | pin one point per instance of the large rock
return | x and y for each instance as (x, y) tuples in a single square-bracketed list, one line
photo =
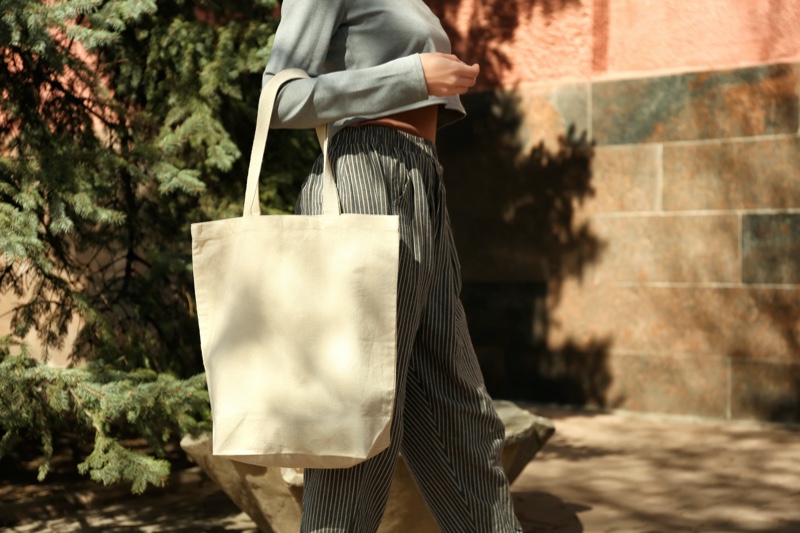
[(272, 496)]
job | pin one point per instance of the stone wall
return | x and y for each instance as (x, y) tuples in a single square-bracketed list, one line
[(635, 243), (626, 200)]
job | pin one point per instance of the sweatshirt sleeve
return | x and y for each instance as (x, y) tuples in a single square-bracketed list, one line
[(302, 41)]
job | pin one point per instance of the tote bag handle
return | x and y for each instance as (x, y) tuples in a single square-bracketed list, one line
[(266, 102)]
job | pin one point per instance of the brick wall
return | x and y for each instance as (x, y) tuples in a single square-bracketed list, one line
[(635, 243)]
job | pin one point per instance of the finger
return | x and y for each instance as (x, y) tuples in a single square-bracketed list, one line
[(467, 71), (465, 81)]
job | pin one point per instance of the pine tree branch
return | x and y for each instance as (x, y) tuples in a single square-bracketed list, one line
[(32, 397), (106, 162)]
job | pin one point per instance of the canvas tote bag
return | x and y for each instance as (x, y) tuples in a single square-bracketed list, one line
[(297, 324)]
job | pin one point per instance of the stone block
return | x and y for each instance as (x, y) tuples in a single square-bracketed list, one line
[(625, 178), (668, 249), (771, 248), (570, 374), (508, 324), (525, 435), (498, 311), (518, 119), (277, 510), (751, 174), (550, 112), (756, 323), (514, 219), (506, 321), (686, 385), (707, 105), (515, 168), (272, 497), (765, 390)]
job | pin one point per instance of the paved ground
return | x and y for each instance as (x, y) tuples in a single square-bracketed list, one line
[(640, 474), (600, 473)]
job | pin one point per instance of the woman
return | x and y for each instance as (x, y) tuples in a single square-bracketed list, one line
[(382, 76)]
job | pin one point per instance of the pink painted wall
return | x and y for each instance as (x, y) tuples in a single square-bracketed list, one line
[(529, 41), (658, 35), (520, 41)]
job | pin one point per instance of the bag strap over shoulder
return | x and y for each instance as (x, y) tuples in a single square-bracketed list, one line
[(266, 102)]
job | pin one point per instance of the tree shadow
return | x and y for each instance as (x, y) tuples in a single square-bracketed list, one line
[(492, 24), (515, 213), (767, 390), (722, 476), (200, 506), (770, 391), (513, 207)]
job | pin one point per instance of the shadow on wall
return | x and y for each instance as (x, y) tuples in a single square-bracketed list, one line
[(492, 23), (768, 390), (776, 12), (513, 208), (514, 213), (765, 374)]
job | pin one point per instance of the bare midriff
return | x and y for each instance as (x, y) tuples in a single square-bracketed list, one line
[(420, 122)]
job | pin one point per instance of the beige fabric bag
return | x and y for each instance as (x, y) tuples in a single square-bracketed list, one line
[(297, 325)]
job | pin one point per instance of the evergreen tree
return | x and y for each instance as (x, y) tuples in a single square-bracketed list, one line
[(121, 123)]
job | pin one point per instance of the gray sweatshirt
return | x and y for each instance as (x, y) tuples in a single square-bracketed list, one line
[(363, 59)]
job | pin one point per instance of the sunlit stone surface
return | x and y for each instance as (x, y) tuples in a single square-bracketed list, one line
[(272, 496)]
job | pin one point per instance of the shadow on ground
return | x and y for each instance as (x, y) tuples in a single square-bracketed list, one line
[(643, 473), (540, 512), (193, 507)]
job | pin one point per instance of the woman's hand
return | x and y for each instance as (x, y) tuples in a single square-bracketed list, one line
[(446, 75)]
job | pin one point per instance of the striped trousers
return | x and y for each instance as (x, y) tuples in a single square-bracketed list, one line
[(444, 424)]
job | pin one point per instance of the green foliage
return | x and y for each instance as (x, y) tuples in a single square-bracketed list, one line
[(121, 123), (99, 400)]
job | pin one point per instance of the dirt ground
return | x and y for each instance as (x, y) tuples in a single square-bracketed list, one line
[(603, 473)]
